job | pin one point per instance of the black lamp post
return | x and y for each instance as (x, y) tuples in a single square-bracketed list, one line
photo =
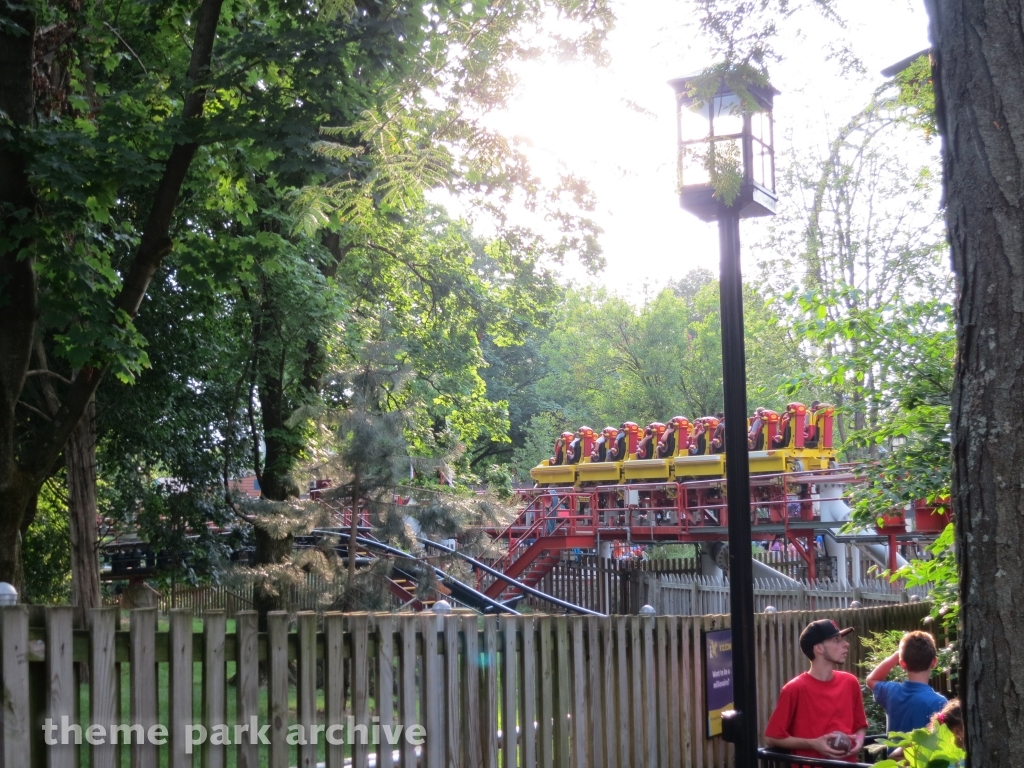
[(727, 172)]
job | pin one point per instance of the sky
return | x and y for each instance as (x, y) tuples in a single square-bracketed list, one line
[(615, 125)]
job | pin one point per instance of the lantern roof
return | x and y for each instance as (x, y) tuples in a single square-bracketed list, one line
[(763, 94)]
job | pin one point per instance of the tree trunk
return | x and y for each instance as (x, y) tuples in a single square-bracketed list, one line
[(979, 76), (80, 458), (17, 284)]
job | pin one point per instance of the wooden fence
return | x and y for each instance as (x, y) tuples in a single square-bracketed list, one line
[(601, 584), (541, 692)]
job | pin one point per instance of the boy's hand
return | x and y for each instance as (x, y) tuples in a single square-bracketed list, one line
[(857, 740), (821, 745), (882, 671)]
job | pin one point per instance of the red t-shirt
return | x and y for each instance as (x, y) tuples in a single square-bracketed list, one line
[(809, 708)]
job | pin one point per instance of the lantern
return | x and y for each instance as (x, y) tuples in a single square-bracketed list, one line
[(726, 153)]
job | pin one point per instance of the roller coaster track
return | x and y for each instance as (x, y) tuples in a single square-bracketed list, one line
[(463, 592)]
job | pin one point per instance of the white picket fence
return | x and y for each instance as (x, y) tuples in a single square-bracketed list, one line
[(692, 595)]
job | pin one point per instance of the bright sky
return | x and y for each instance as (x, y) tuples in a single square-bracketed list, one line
[(580, 118)]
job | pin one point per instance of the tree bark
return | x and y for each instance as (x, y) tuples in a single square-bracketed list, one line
[(80, 458), (978, 71)]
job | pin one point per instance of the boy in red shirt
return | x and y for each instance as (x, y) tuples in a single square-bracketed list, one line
[(816, 706)]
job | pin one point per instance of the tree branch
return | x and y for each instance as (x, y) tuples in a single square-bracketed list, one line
[(51, 374)]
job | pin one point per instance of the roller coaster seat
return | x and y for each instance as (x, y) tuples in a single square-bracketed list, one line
[(703, 434), (763, 430), (561, 455), (652, 436), (676, 438), (819, 428), (627, 440), (585, 438), (604, 443), (792, 427)]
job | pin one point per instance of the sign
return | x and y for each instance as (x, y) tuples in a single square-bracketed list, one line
[(718, 695)]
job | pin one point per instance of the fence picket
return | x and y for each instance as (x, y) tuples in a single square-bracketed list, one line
[(60, 672), (509, 737), (547, 694), (528, 691), (452, 711), (407, 699), (596, 718), (143, 685), (104, 703), (179, 698), (580, 742), (473, 753), (385, 632), (14, 672), (361, 662), (214, 685), (563, 692), (277, 687), (306, 694), (247, 674), (489, 693), (433, 693)]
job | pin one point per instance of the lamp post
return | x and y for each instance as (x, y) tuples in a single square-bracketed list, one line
[(727, 172)]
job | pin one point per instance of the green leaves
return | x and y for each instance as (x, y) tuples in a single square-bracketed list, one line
[(923, 748)]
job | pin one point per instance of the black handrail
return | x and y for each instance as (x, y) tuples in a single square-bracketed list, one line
[(770, 758)]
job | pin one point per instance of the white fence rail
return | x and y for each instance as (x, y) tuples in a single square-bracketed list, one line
[(691, 595)]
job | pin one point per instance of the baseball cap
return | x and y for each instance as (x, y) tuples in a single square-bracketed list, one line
[(818, 632)]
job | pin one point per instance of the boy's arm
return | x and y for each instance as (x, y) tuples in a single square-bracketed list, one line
[(879, 673)]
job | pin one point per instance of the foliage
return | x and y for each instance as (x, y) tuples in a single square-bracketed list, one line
[(915, 95), (872, 303), (923, 748), (942, 572), (609, 360), (879, 646), (743, 33), (47, 548)]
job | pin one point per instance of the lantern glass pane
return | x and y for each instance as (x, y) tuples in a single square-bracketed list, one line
[(694, 124), (692, 166), (727, 115), (696, 162)]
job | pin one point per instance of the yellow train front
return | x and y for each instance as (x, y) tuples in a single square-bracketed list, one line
[(799, 439)]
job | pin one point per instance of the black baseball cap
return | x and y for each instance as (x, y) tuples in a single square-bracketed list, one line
[(818, 632)]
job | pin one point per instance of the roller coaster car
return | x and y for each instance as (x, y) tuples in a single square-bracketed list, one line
[(599, 468), (700, 459), (646, 465), (683, 451), (557, 470)]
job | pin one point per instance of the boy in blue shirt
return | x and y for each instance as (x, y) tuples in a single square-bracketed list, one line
[(910, 704)]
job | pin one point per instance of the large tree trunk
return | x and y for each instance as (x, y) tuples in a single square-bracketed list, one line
[(276, 483), (80, 458), (17, 284), (979, 78)]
